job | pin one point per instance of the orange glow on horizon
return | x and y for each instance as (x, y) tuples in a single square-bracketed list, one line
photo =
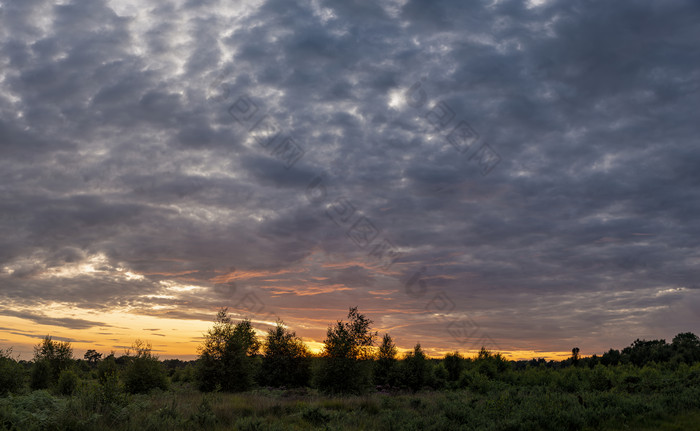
[(170, 338)]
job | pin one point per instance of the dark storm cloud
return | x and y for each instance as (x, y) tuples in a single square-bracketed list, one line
[(120, 151), (64, 322)]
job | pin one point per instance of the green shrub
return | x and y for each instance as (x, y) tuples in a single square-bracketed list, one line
[(111, 393), (67, 382), (342, 375), (315, 416), (11, 373), (599, 378), (106, 368), (415, 369), (40, 375), (144, 372), (454, 364)]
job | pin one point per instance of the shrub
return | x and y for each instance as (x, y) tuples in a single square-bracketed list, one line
[(454, 364), (315, 416), (144, 372), (67, 382), (599, 378), (385, 367), (415, 369), (106, 368), (11, 373), (41, 375)]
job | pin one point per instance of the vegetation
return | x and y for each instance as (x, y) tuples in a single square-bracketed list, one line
[(286, 361), (227, 355), (241, 383), (344, 365), (144, 372)]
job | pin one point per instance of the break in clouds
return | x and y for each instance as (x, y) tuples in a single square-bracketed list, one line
[(522, 173)]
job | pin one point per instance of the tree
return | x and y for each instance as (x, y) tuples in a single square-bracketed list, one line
[(611, 357), (11, 373), (226, 356), (575, 355), (347, 344), (415, 369), (92, 357), (490, 364), (642, 352), (385, 368), (286, 360), (144, 371), (686, 347), (50, 358), (454, 363)]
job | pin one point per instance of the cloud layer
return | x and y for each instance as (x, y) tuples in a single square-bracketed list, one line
[(514, 174)]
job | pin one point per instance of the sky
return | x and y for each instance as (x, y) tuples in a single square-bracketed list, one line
[(516, 175)]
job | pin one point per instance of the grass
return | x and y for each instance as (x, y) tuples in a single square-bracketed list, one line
[(504, 408)]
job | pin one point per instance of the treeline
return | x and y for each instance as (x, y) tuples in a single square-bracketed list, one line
[(233, 358)]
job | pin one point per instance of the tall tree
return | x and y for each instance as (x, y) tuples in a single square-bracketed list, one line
[(347, 344), (575, 355), (416, 369), (226, 355), (50, 358), (385, 368), (286, 360)]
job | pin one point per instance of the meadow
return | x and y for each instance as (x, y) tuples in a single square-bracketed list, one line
[(602, 398), (240, 382)]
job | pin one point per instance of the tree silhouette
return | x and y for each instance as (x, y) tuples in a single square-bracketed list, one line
[(92, 356), (50, 358), (415, 369), (285, 359), (575, 355), (226, 355), (454, 363), (385, 368), (346, 344), (144, 371)]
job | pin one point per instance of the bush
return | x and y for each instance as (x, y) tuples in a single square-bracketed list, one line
[(415, 369), (599, 378), (184, 375), (67, 382), (144, 372), (11, 373), (342, 375), (454, 364), (41, 375), (106, 368)]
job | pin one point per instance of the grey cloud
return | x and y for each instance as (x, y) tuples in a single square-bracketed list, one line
[(117, 141)]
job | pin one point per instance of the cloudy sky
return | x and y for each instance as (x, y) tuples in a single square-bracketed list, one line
[(520, 175)]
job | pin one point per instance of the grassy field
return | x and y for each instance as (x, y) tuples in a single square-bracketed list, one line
[(502, 406), (649, 386)]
